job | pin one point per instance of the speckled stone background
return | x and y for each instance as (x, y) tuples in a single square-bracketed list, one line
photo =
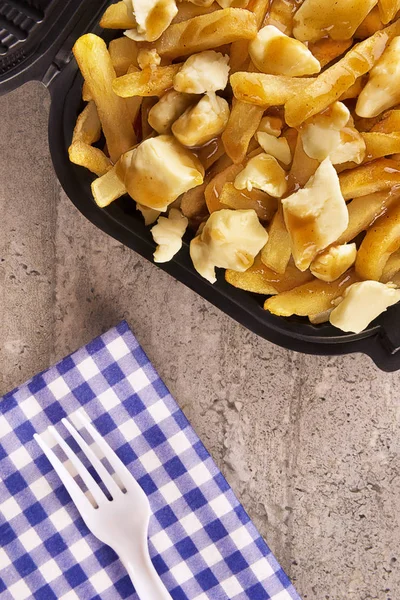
[(310, 445)]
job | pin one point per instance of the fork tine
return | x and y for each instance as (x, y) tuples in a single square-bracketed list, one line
[(118, 466), (78, 497), (89, 481), (104, 475)]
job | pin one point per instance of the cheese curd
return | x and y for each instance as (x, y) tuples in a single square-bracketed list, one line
[(316, 19), (152, 18), (326, 135), (264, 173), (149, 214), (271, 125), (148, 57), (382, 90), (362, 303), (203, 72), (168, 235), (333, 262), (230, 239), (166, 111), (277, 147), (160, 170), (203, 122), (316, 215), (278, 54)]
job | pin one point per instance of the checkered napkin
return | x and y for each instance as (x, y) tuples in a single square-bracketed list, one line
[(201, 540)]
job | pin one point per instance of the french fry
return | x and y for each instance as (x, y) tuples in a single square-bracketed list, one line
[(392, 267), (379, 175), (267, 90), (86, 93), (380, 144), (95, 64), (133, 103), (88, 127), (277, 251), (81, 153), (214, 187), (193, 203), (259, 279), (239, 54), (371, 24), (210, 153), (149, 82), (264, 205), (123, 52), (390, 122), (303, 167), (146, 106), (107, 188), (207, 31), (329, 85), (311, 298), (380, 241), (116, 16), (363, 211), (354, 90), (243, 122), (326, 50), (187, 10), (281, 15), (388, 9)]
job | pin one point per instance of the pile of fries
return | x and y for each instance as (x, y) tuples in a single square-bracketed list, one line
[(270, 129)]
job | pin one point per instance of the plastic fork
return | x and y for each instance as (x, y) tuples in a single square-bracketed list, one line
[(120, 522)]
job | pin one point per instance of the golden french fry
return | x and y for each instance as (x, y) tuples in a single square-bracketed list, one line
[(267, 90), (193, 203), (381, 174), (123, 52), (95, 64), (264, 205), (326, 50), (391, 268), (320, 317), (337, 79), (149, 82), (389, 123), (214, 187), (243, 122), (146, 106), (277, 251), (371, 24), (262, 280), (86, 93), (187, 10), (380, 144), (88, 126), (281, 15), (116, 16), (207, 31), (311, 298), (363, 211), (381, 240), (107, 188), (303, 167), (354, 90), (133, 103), (210, 153), (239, 53), (90, 157), (388, 9)]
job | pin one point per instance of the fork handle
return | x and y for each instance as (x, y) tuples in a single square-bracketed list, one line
[(144, 577)]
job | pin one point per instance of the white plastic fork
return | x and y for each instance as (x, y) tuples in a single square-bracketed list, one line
[(121, 522)]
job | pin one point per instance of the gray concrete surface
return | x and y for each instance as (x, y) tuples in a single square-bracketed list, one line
[(310, 445)]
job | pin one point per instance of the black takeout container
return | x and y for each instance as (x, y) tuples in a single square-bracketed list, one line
[(36, 38)]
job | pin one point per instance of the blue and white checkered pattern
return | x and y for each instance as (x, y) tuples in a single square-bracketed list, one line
[(201, 540)]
